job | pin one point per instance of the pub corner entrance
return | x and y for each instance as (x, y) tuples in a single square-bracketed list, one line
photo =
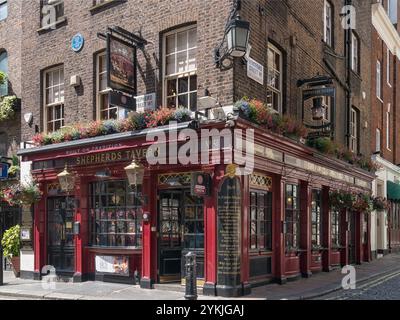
[(180, 231)]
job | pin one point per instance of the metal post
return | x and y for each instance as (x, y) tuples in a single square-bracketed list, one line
[(191, 277)]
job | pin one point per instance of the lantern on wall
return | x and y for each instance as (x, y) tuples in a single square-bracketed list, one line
[(135, 173), (318, 109), (66, 180)]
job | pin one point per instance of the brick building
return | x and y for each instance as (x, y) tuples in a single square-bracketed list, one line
[(10, 64), (385, 121), (64, 84)]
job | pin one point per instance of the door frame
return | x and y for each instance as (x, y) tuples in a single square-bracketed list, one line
[(70, 249)]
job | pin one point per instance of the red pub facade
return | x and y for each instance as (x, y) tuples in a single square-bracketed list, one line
[(283, 227)]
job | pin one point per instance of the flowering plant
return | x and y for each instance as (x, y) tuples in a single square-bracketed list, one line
[(380, 204), (339, 200), (363, 203), (17, 194), (160, 117)]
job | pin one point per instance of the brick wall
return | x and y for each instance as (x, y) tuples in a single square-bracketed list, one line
[(152, 18), (296, 28), (10, 41)]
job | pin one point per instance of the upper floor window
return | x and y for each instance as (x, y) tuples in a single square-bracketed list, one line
[(355, 49), (105, 111), (180, 68), (54, 99), (4, 69), (51, 12), (378, 80), (378, 140), (388, 120), (98, 2), (388, 66), (354, 135), (392, 11), (3, 9), (274, 85), (328, 23)]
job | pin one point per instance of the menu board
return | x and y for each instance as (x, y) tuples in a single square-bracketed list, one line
[(118, 265), (229, 231)]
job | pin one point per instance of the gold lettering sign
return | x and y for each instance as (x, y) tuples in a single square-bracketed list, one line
[(107, 157)]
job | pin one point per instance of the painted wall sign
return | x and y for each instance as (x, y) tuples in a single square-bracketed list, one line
[(229, 233), (255, 71), (118, 265), (201, 184), (146, 102), (77, 42), (121, 65)]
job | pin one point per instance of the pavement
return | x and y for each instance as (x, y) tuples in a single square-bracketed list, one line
[(319, 286)]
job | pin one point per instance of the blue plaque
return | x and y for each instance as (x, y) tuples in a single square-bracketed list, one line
[(77, 42)]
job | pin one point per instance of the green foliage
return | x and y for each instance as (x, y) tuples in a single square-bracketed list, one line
[(324, 145), (3, 77), (7, 105), (11, 242)]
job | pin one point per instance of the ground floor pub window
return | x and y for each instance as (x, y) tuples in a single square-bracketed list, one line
[(115, 214), (292, 218), (316, 225), (260, 221), (335, 228)]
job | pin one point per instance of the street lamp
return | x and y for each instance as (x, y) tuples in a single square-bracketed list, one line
[(66, 180), (135, 173), (237, 34)]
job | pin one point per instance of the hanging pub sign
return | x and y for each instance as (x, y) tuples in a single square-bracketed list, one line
[(201, 184), (121, 55)]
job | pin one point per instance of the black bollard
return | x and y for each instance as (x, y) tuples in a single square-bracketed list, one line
[(191, 277)]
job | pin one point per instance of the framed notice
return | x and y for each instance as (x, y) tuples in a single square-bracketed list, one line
[(116, 265), (121, 64)]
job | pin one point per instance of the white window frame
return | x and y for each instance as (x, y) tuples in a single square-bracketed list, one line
[(379, 80), (4, 3), (102, 92), (355, 47), (52, 105), (388, 67), (279, 92), (388, 119), (328, 25), (178, 75), (353, 131), (378, 147)]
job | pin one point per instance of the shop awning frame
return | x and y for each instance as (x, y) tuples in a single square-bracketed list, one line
[(393, 191)]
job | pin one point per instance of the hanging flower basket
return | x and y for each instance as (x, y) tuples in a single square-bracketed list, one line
[(17, 195), (363, 203), (380, 204), (340, 200)]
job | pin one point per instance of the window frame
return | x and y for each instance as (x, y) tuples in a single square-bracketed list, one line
[(5, 4), (59, 18), (294, 222), (317, 223), (354, 134), (355, 53), (279, 52), (388, 120), (378, 137), (55, 104), (379, 80), (189, 73), (335, 229), (267, 221), (388, 67), (328, 41), (5, 85)]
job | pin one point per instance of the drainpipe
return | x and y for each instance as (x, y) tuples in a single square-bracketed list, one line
[(348, 78)]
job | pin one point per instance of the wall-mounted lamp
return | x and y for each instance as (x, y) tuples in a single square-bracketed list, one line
[(135, 173), (237, 33), (28, 117), (66, 180)]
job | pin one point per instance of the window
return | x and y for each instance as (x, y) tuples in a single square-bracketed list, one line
[(54, 99), (392, 11), (388, 119), (51, 12), (115, 215), (328, 23), (355, 53), (378, 80), (193, 235), (292, 218), (354, 130), (260, 220), (316, 216), (388, 66), (274, 86), (105, 111), (378, 140), (180, 71), (335, 228), (3, 9), (4, 69), (98, 2)]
